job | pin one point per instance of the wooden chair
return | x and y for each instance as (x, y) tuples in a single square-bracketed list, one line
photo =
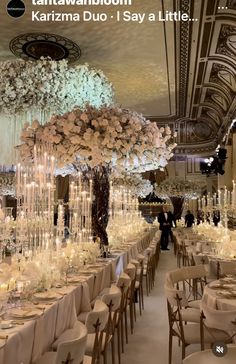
[(112, 299), (123, 283), (67, 352), (192, 333), (131, 271), (96, 323)]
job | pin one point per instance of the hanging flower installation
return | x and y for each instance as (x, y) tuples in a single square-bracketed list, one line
[(100, 140), (51, 86), (177, 190), (138, 186)]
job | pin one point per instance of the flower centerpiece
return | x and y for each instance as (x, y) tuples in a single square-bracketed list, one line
[(177, 190), (100, 140), (135, 183)]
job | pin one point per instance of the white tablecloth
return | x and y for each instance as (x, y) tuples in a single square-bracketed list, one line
[(28, 342), (212, 298)]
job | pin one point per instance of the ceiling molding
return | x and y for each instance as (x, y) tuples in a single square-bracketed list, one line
[(206, 96)]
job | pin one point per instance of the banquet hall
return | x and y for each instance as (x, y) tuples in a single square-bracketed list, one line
[(118, 181)]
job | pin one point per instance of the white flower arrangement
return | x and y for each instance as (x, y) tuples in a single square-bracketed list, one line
[(178, 187), (134, 183), (110, 137), (51, 86), (7, 184)]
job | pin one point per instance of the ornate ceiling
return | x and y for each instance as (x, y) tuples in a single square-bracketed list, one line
[(183, 73), (206, 75)]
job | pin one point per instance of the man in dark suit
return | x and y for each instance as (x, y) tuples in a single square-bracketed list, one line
[(165, 220), (189, 219)]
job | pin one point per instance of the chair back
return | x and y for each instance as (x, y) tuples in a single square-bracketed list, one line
[(140, 257), (123, 282), (176, 297), (131, 271), (97, 319), (135, 263), (175, 276), (195, 271), (72, 351), (112, 298), (207, 357), (200, 259)]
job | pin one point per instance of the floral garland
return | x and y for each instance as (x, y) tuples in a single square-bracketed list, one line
[(178, 187), (107, 137), (7, 184), (51, 86), (134, 182)]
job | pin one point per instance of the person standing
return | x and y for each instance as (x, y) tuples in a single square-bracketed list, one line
[(189, 219), (165, 220), (216, 217)]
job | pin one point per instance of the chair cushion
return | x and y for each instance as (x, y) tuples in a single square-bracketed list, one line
[(190, 315), (68, 335), (192, 334), (82, 317), (87, 359), (47, 358), (194, 304)]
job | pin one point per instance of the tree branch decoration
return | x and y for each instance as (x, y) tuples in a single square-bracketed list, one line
[(100, 140)]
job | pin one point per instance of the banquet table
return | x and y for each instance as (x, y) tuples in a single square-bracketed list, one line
[(221, 294), (29, 339)]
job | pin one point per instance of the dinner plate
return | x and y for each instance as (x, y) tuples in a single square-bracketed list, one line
[(85, 273), (74, 279), (9, 326), (6, 324), (24, 313), (47, 296), (226, 294), (215, 285), (100, 265), (64, 290), (229, 286), (228, 280)]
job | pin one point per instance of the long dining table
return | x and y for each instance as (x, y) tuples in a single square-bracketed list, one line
[(43, 321)]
